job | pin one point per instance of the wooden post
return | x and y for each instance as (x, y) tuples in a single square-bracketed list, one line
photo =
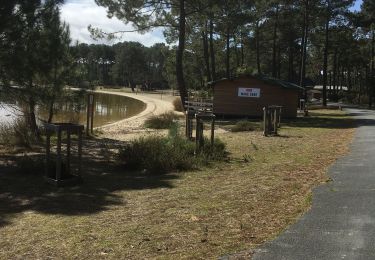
[(79, 152), (275, 121), (92, 113), (197, 132), (265, 132), (187, 125), (68, 152), (269, 121), (48, 152), (58, 156), (201, 136), (213, 131), (190, 128), (88, 116), (279, 118)]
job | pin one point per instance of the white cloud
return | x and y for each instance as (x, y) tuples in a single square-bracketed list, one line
[(79, 14)]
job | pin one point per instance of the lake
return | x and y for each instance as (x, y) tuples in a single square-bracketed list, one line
[(108, 109)]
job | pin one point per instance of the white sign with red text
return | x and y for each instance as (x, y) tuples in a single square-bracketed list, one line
[(249, 92)]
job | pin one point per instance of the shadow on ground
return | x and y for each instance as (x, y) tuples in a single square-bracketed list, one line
[(332, 122), (24, 188)]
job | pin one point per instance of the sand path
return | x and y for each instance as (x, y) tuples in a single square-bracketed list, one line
[(131, 127)]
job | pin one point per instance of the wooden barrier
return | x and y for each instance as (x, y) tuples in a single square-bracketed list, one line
[(62, 173), (90, 114), (199, 137), (271, 120), (192, 108)]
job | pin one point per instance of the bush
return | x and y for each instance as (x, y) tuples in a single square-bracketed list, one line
[(243, 126), (17, 134), (163, 121), (160, 155), (208, 153), (178, 105)]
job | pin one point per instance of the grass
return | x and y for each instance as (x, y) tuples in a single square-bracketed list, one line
[(17, 134), (163, 121), (204, 214), (243, 126), (177, 104), (160, 155)]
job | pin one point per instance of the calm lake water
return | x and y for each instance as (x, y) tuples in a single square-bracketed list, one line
[(108, 109)]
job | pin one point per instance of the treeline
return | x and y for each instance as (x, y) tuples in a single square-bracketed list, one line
[(123, 64), (299, 41)]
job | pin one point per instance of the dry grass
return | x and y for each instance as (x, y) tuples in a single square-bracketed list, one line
[(227, 208), (177, 104)]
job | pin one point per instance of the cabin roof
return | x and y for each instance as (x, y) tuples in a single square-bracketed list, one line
[(266, 79)]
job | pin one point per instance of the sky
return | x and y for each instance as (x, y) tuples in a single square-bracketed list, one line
[(79, 14), (357, 5)]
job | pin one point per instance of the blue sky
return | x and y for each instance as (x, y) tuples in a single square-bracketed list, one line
[(79, 14), (357, 5)]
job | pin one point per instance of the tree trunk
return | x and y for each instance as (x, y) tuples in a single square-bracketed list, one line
[(212, 51), (360, 89), (349, 79), (278, 61), (52, 101), (257, 46), (227, 60), (238, 61), (50, 110), (32, 118), (205, 53), (304, 47), (334, 76), (291, 60), (242, 50), (274, 66), (325, 62), (368, 87), (373, 50), (180, 53)]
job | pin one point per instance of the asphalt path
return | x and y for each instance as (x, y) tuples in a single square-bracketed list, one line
[(341, 222)]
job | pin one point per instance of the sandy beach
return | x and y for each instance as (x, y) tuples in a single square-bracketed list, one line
[(129, 128)]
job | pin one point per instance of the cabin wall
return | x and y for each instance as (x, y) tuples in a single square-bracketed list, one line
[(227, 101)]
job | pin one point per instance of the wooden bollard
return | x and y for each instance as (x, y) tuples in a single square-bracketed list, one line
[(275, 121), (265, 127)]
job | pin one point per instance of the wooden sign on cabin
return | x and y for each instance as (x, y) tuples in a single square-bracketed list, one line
[(249, 92)]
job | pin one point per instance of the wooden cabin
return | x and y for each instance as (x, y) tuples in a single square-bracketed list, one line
[(247, 95)]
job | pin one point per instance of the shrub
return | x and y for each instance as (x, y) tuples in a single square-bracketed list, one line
[(178, 105), (17, 134), (163, 121), (159, 155), (208, 153), (242, 126)]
